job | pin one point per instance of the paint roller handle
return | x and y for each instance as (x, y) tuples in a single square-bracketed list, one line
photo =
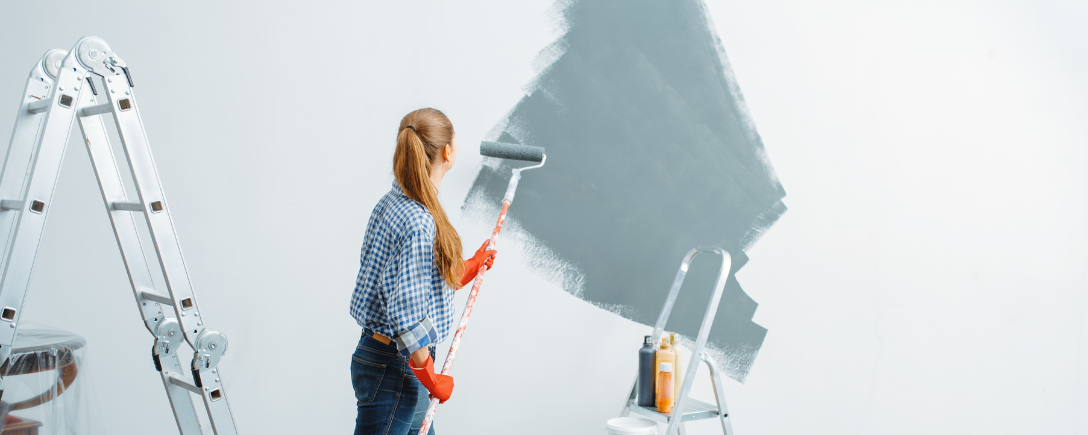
[(513, 186), (452, 355)]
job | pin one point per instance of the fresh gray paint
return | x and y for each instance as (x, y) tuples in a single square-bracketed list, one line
[(650, 152)]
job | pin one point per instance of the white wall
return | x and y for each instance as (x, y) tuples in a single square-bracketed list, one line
[(928, 277), (937, 153)]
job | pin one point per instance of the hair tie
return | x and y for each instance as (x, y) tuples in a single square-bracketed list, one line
[(413, 128)]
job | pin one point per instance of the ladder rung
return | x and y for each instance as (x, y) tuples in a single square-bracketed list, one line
[(155, 297), (11, 204), (100, 109), (693, 410), (39, 106), (183, 384), (127, 206)]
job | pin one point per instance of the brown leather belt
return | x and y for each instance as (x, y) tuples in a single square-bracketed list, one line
[(381, 338)]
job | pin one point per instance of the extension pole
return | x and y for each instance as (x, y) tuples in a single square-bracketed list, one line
[(448, 365)]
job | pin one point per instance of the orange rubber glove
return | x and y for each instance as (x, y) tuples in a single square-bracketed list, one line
[(484, 256), (440, 386)]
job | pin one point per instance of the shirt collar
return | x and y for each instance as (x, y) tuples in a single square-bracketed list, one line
[(397, 189)]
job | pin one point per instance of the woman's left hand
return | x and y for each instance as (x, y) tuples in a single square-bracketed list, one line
[(483, 257)]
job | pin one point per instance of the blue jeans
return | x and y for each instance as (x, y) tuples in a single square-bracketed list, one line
[(391, 400)]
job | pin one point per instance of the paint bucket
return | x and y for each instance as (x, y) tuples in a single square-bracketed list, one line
[(631, 426)]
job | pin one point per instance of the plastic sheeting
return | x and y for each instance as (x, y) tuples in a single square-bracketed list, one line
[(42, 384)]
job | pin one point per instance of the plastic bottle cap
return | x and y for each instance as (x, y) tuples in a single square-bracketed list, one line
[(648, 340), (666, 367)]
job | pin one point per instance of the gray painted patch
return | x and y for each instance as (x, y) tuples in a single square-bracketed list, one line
[(651, 152)]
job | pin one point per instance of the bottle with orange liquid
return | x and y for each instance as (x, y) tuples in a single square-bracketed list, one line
[(664, 354), (677, 365), (665, 395)]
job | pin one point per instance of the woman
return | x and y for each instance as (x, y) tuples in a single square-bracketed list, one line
[(403, 299)]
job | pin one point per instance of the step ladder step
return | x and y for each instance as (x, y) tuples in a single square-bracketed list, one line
[(155, 297), (185, 384), (11, 204), (693, 410), (39, 106), (127, 206), (100, 109)]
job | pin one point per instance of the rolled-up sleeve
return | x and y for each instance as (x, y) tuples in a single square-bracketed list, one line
[(408, 283)]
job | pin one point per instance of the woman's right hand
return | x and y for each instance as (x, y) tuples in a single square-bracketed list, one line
[(440, 386)]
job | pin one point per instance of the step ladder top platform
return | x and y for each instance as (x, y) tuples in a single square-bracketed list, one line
[(693, 410)]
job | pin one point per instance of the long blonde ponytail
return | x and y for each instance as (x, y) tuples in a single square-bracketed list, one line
[(422, 136)]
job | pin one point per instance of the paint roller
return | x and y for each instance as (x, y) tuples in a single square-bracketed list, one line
[(500, 150), (512, 151)]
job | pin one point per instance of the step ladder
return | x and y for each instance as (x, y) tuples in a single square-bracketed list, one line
[(687, 409), (62, 88)]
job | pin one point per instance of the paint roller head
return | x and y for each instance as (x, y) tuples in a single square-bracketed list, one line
[(512, 151)]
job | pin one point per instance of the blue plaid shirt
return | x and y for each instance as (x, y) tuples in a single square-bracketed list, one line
[(400, 292)]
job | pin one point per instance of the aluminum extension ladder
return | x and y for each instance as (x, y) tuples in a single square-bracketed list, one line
[(61, 88), (691, 409)]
